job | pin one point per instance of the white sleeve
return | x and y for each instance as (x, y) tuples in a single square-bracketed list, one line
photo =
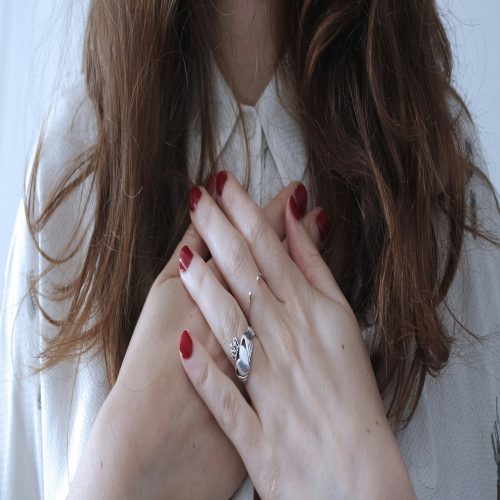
[(32, 461), (448, 444), (21, 471)]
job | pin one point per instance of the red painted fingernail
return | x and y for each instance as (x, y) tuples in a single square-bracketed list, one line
[(294, 208), (194, 197), (323, 222), (220, 181), (185, 257), (210, 185), (186, 345), (300, 197)]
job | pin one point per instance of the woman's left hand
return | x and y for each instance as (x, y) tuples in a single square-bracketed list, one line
[(316, 426)]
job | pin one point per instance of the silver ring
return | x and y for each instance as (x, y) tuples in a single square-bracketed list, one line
[(241, 352), (259, 277)]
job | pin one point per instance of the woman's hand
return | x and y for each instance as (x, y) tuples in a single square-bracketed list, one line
[(154, 437), (316, 426)]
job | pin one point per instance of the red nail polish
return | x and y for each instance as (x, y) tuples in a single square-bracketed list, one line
[(194, 197), (300, 196), (185, 257), (323, 222), (220, 181), (295, 208), (210, 185), (186, 345)]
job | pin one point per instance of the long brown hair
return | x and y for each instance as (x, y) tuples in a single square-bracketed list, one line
[(383, 129)]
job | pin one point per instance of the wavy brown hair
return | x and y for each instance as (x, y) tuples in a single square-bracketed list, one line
[(382, 124)]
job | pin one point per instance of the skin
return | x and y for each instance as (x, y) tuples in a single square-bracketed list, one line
[(154, 437), (248, 37), (316, 426)]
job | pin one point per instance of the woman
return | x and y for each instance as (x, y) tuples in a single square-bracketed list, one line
[(367, 370)]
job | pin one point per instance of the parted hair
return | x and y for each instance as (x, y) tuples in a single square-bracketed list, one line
[(386, 156)]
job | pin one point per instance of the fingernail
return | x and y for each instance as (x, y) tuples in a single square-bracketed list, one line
[(220, 181), (294, 208), (185, 257), (323, 222), (210, 185), (194, 197), (186, 345), (300, 196)]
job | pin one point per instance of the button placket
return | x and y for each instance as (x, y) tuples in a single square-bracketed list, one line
[(254, 133), (250, 123)]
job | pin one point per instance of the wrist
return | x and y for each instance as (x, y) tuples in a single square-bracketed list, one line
[(104, 470), (383, 473)]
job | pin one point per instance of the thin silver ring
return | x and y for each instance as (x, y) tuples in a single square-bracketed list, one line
[(250, 293)]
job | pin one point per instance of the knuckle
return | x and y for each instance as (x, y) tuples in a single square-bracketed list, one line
[(311, 255), (190, 235), (256, 228), (230, 322), (294, 300), (162, 284), (289, 350), (204, 217), (236, 256), (199, 280), (229, 410), (202, 377)]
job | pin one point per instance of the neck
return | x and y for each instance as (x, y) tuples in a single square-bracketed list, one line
[(248, 44)]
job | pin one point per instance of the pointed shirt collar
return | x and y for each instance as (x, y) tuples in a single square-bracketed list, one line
[(274, 108)]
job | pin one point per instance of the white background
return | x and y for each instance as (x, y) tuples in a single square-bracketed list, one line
[(40, 47)]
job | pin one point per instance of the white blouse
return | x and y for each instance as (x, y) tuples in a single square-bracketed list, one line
[(451, 447)]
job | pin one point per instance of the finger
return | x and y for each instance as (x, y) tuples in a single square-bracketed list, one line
[(192, 238), (307, 257), (311, 226), (309, 222), (228, 248), (221, 311), (280, 273), (235, 416), (274, 211)]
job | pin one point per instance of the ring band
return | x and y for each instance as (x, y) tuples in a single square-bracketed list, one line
[(250, 293), (241, 352)]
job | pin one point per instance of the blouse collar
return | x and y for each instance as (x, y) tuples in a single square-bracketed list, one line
[(274, 108)]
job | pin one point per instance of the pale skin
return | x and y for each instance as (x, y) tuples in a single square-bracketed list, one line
[(154, 437), (163, 423), (316, 426), (247, 45)]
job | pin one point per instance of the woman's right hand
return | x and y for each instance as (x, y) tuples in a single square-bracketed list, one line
[(154, 437)]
